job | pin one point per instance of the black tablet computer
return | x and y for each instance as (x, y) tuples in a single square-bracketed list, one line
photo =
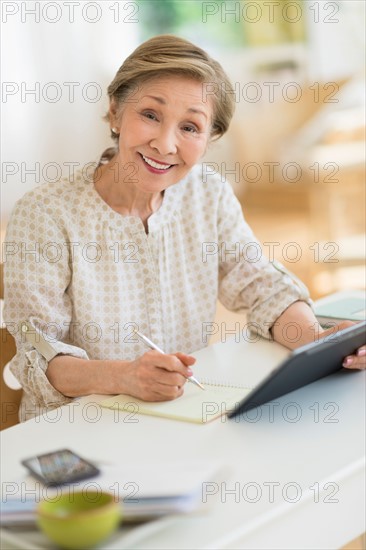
[(304, 366)]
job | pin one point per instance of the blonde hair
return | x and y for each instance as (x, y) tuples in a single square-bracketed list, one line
[(166, 55)]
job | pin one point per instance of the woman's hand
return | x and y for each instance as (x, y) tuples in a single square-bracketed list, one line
[(300, 314), (356, 361), (158, 377)]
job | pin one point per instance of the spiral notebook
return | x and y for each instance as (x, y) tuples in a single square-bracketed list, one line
[(195, 405), (228, 371)]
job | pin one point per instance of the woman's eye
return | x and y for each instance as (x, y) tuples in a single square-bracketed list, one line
[(149, 115), (190, 129)]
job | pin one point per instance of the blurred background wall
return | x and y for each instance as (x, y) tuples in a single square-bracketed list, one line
[(295, 153)]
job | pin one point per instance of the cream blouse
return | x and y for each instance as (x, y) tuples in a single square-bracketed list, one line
[(83, 276)]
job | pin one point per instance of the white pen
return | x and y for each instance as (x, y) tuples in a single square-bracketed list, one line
[(156, 348)]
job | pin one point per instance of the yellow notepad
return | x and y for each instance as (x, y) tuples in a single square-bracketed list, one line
[(195, 405)]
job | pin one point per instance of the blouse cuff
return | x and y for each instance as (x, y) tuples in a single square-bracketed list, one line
[(38, 384), (48, 349), (39, 394), (42, 352), (264, 317)]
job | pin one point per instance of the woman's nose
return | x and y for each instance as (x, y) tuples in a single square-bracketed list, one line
[(164, 141)]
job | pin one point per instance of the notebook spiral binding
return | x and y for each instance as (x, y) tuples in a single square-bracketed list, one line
[(212, 382)]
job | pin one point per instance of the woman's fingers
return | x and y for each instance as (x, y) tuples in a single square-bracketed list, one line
[(361, 352), (186, 359), (171, 363), (171, 374), (356, 361), (157, 377)]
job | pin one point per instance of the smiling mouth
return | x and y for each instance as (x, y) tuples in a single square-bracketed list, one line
[(156, 165)]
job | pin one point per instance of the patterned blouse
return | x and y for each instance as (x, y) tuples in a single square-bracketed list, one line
[(80, 276)]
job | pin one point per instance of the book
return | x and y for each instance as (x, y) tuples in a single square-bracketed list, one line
[(340, 306), (195, 405)]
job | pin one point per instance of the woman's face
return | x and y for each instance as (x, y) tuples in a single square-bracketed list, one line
[(164, 131)]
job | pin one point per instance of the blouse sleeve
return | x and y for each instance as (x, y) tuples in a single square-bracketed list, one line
[(37, 309), (247, 279)]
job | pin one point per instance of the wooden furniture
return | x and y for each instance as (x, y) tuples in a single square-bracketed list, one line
[(9, 398)]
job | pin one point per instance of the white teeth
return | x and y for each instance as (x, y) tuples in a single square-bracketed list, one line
[(156, 164)]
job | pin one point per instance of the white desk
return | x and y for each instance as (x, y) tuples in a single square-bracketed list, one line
[(324, 449)]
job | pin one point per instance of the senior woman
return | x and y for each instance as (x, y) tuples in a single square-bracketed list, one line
[(90, 261)]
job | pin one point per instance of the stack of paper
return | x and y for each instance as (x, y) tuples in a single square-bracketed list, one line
[(151, 491)]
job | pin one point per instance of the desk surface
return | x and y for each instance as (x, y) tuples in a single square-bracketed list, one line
[(296, 467)]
